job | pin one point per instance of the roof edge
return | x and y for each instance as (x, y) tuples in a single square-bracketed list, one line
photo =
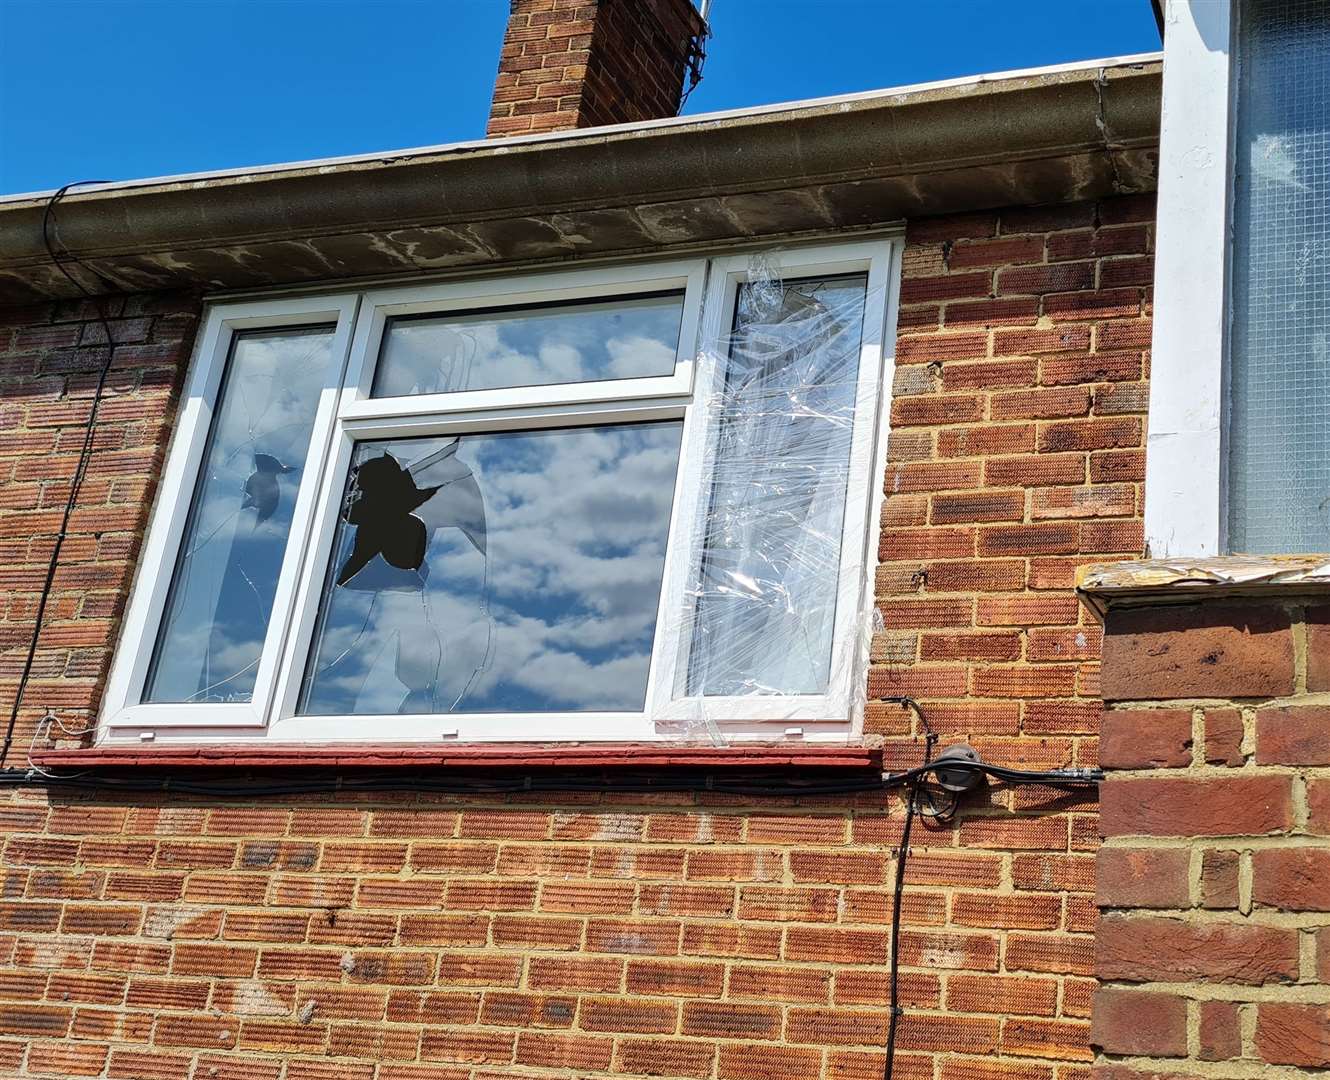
[(463, 146), (855, 161)]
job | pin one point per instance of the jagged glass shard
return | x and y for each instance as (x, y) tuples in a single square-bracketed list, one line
[(1279, 420), (537, 588), (235, 537), (764, 589), (565, 342)]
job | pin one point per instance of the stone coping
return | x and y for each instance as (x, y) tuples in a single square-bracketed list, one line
[(1104, 585)]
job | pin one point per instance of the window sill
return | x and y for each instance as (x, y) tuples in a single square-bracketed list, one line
[(473, 756)]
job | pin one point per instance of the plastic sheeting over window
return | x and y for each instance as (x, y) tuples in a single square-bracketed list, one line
[(1279, 421), (235, 537), (780, 428)]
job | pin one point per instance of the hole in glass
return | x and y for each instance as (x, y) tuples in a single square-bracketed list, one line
[(510, 572)]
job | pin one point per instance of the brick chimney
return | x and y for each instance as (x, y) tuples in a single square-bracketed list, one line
[(583, 63)]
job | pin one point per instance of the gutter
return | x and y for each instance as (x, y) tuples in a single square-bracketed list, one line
[(856, 161)]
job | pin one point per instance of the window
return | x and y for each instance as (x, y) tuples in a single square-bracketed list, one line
[(1279, 383), (1239, 444), (615, 504)]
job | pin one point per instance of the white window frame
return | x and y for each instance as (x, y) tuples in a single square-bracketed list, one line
[(1186, 511), (346, 414)]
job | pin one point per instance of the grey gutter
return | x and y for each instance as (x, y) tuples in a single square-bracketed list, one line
[(859, 161)]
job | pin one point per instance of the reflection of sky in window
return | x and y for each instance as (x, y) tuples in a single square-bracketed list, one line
[(551, 607), (558, 343), (231, 555), (765, 590)]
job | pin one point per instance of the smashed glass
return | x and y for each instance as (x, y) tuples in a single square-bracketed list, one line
[(762, 599), (566, 342), (507, 572), (235, 538)]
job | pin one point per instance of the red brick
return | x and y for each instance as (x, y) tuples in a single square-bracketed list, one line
[(1293, 735), (1020, 995), (975, 575), (1058, 277), (1151, 949), (1142, 877), (1227, 806), (1197, 650), (930, 409), (1002, 311), (987, 374), (1047, 538), (1101, 500), (977, 506), (1042, 404), (999, 252), (743, 1061), (1146, 739), (1318, 647), (1134, 1022), (1116, 466), (1219, 879), (1034, 470), (730, 1020), (1063, 436), (1006, 912), (1078, 643), (1318, 807), (1220, 1031), (1292, 879), (1223, 737), (916, 290), (1288, 1033), (985, 439), (672, 1057)]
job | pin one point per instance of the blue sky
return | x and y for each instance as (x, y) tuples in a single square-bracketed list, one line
[(115, 89)]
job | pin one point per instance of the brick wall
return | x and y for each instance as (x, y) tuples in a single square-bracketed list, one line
[(584, 63), (1214, 881), (50, 356), (418, 937)]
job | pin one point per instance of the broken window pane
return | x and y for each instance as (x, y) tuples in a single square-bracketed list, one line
[(235, 538), (764, 591), (1279, 421), (567, 342), (511, 572)]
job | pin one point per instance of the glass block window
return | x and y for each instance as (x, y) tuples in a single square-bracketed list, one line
[(1279, 418)]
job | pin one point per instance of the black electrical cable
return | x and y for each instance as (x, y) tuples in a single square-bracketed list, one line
[(554, 783), (85, 453), (902, 856)]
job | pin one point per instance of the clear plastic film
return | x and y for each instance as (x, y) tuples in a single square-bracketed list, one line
[(773, 622)]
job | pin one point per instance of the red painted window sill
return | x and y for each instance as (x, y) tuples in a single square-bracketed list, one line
[(473, 756)]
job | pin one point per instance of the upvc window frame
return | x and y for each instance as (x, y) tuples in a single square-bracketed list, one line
[(1186, 511), (347, 414)]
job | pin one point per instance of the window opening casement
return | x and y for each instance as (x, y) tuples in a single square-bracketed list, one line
[(618, 504), (1238, 456)]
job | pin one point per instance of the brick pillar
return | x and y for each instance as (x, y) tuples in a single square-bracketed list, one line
[(584, 63), (1214, 879)]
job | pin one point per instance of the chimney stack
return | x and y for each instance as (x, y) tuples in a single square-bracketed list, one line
[(584, 63)]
